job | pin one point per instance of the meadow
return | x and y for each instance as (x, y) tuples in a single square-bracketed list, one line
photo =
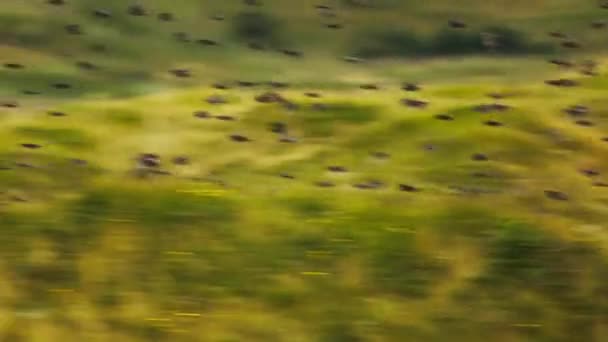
[(149, 193)]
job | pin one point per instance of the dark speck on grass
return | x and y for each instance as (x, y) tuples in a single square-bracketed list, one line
[(562, 82), (414, 103), (556, 195), (577, 110), (221, 86), (286, 175), (312, 95), (30, 146), (13, 66), (600, 184), (61, 85), (217, 17), (571, 44), (9, 104), (444, 117), (56, 113), (56, 2), (335, 168), (78, 162), (278, 85), (457, 24), (165, 16), (369, 86), (246, 84), (101, 13), (181, 160), (278, 127), (182, 73), (239, 138), (561, 63), (225, 118), (324, 184), (408, 188), (410, 87), (557, 34), (136, 10), (380, 155), (599, 24), (479, 157), (585, 123), (73, 29), (216, 99), (590, 172), (208, 42), (31, 92), (288, 140), (181, 37), (334, 26), (202, 115), (291, 53), (86, 65), (493, 123)]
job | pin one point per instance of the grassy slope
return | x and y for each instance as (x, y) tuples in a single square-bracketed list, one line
[(95, 254)]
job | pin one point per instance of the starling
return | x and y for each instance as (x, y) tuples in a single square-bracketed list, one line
[(9, 104), (202, 115), (73, 29), (288, 140), (61, 85), (216, 99), (335, 168), (312, 95), (577, 110), (56, 114), (207, 42), (86, 65), (380, 155), (414, 103), (325, 184), (13, 66), (136, 10), (556, 34), (590, 172), (150, 160), (598, 24), (100, 13), (571, 44), (165, 16), (562, 82), (239, 138), (352, 59), (181, 37), (561, 63), (585, 123), (246, 84), (286, 175), (334, 26), (369, 86), (457, 24), (220, 86), (408, 188), (493, 123), (278, 127), (182, 73), (225, 118), (56, 2), (479, 157), (269, 97), (30, 146), (444, 117), (181, 160), (291, 53), (556, 195), (410, 87)]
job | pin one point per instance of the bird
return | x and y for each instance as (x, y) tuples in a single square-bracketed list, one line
[(31, 146), (493, 123), (561, 63), (324, 184), (86, 65), (181, 160), (101, 13), (278, 127), (56, 2), (562, 82), (577, 110), (225, 118), (216, 99), (181, 37), (182, 73), (479, 157), (165, 16), (585, 123), (73, 29), (9, 104), (410, 87), (136, 10), (239, 138), (202, 115), (336, 168), (56, 113), (444, 117), (61, 85), (369, 86), (380, 155), (286, 175), (414, 103), (269, 97), (208, 42), (556, 195), (570, 44), (408, 188), (457, 24), (13, 66)]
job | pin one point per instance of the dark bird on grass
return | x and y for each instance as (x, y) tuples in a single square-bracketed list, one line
[(278, 85), (457, 24), (31, 146), (557, 34), (208, 42), (334, 26), (336, 168), (31, 92), (101, 13), (408, 188), (561, 63), (182, 73), (369, 86), (286, 175), (493, 123), (605, 139), (218, 17), (562, 82), (584, 123), (491, 107), (556, 195), (414, 103), (181, 160), (239, 138), (600, 184), (73, 29), (269, 97), (78, 162), (604, 4), (246, 84), (288, 139), (589, 172), (216, 99), (570, 44), (444, 117), (56, 2), (181, 37), (290, 105), (323, 7), (600, 24), (278, 127), (13, 66), (221, 86), (165, 16), (352, 59), (479, 157), (380, 155), (577, 110), (324, 184), (10, 104), (225, 118), (151, 160), (202, 115), (136, 10), (86, 65), (56, 113), (312, 95), (61, 85), (291, 53), (252, 2), (410, 87), (371, 184), (99, 48), (497, 96)]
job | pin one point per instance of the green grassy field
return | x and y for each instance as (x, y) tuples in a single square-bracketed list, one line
[(226, 248)]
